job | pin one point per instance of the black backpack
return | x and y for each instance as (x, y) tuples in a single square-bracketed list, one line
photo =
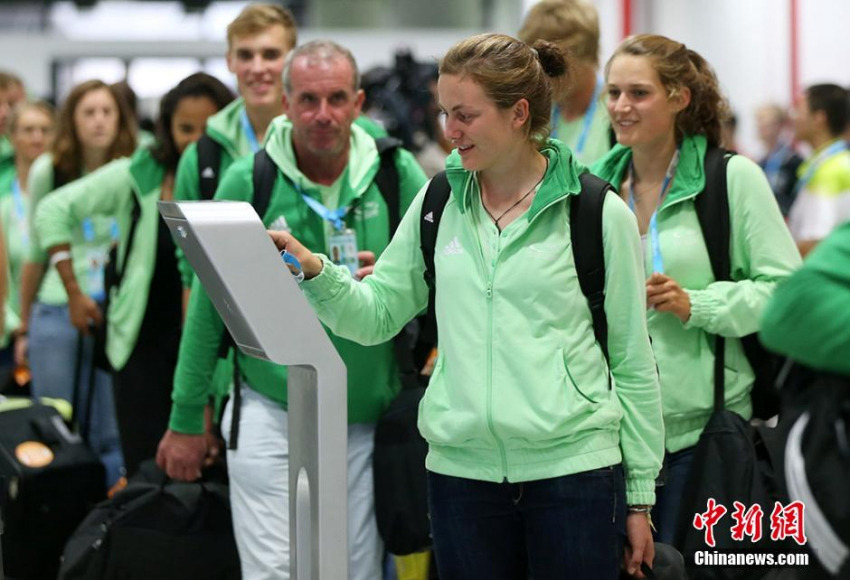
[(712, 207), (157, 528), (264, 175), (209, 166), (401, 500), (817, 468)]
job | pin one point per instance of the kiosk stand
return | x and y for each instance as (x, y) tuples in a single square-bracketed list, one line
[(269, 318)]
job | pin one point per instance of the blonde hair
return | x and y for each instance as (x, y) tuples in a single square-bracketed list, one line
[(679, 67), (256, 18), (508, 70), (41, 106), (572, 24)]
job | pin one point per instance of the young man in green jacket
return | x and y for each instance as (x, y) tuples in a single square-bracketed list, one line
[(258, 41), (321, 156), (579, 118)]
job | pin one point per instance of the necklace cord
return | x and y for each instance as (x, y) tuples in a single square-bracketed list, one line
[(516, 203)]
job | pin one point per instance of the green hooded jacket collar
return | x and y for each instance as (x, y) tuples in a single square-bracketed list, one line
[(690, 173), (558, 183), (225, 128), (146, 172), (6, 150), (363, 161)]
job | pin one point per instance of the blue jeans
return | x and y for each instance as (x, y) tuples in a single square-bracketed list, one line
[(570, 527), (53, 359), (668, 497)]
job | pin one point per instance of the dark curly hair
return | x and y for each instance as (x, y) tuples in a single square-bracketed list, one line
[(509, 70), (195, 85), (679, 67)]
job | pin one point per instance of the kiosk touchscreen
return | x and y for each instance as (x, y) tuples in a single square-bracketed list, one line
[(269, 318)]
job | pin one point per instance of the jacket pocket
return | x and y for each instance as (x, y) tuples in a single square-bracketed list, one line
[(571, 380)]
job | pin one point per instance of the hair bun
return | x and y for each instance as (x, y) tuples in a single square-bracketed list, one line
[(552, 58)]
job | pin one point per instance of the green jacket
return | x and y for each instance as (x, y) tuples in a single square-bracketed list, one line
[(109, 192), (7, 165), (372, 376), (225, 128), (808, 317), (520, 390), (763, 253), (15, 228), (40, 185)]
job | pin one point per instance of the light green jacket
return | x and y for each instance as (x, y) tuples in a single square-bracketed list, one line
[(372, 374), (763, 253), (52, 291), (520, 390), (808, 317), (108, 192), (15, 227)]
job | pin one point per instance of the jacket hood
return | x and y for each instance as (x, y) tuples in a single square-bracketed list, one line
[(363, 161), (225, 127), (560, 181), (690, 173), (146, 172)]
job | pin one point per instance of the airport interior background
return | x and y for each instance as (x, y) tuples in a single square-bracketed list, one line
[(762, 50)]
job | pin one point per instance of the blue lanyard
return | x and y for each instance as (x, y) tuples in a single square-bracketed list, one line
[(833, 149), (249, 132), (88, 230), (20, 212), (773, 164), (334, 216), (587, 122), (657, 261)]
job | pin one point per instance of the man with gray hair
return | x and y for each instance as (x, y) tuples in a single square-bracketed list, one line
[(325, 192)]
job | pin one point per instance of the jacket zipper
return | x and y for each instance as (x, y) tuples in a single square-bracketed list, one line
[(489, 275)]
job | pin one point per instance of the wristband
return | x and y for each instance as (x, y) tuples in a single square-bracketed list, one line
[(59, 256)]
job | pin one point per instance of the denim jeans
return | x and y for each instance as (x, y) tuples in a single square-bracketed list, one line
[(668, 497), (570, 527), (53, 359)]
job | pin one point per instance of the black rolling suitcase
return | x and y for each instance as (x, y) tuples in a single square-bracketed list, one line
[(49, 481)]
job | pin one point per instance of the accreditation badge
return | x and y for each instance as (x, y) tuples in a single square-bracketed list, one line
[(342, 247)]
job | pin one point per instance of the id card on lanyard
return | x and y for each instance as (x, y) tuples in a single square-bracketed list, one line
[(96, 257), (657, 260), (342, 243)]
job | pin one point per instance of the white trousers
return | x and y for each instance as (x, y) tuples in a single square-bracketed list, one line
[(259, 492)]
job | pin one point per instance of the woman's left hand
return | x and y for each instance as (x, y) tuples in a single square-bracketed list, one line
[(665, 295), (639, 544)]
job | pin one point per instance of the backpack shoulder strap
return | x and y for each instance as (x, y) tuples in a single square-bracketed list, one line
[(387, 179), (588, 250), (436, 197), (712, 207), (263, 177), (209, 164)]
